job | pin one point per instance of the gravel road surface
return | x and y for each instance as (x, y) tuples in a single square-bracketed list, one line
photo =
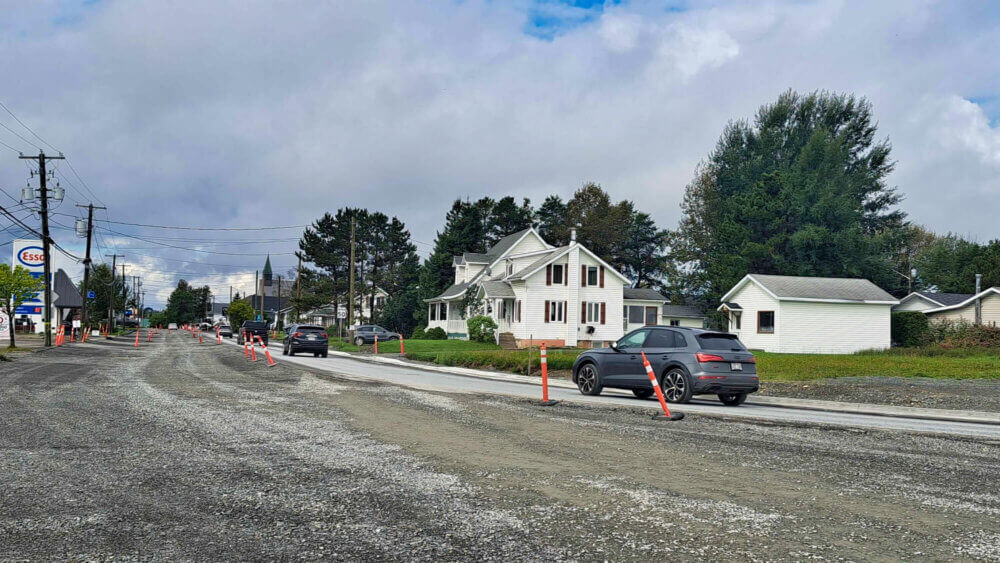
[(183, 451)]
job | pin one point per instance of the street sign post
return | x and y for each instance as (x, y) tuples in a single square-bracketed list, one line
[(91, 295)]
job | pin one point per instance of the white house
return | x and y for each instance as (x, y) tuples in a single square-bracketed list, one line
[(563, 296), (955, 307), (809, 315), (682, 315)]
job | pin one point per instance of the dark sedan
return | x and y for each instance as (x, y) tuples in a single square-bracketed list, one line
[(686, 362), (305, 338)]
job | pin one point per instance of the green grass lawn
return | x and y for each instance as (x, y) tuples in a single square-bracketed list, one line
[(899, 362)]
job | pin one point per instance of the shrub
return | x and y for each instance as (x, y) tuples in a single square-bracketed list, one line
[(436, 333), (482, 329), (419, 333), (950, 334), (910, 328)]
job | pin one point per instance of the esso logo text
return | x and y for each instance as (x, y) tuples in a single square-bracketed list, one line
[(31, 256)]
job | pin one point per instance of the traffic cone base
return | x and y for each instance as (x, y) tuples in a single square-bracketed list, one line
[(673, 416)]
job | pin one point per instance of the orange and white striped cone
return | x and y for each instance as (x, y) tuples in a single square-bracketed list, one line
[(246, 350), (218, 336), (376, 344), (402, 346), (545, 380), (136, 338), (659, 394), (149, 335), (270, 360), (72, 335), (200, 339), (58, 336), (253, 350)]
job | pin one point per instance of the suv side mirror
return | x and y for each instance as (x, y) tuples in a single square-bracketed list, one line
[(614, 346)]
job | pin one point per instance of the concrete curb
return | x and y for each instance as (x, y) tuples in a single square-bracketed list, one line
[(946, 415)]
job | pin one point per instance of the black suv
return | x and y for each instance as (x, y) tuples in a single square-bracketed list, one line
[(305, 338), (255, 329), (365, 334)]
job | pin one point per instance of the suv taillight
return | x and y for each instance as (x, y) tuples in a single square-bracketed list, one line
[(297, 335), (703, 357), (752, 360)]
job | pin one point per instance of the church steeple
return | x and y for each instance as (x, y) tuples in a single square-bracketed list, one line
[(267, 271)]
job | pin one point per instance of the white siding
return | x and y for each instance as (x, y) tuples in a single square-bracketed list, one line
[(832, 328), (610, 294), (686, 322), (915, 303), (629, 327), (753, 299), (472, 270), (530, 243), (990, 312)]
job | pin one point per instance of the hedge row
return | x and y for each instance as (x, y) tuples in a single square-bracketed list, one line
[(515, 361)]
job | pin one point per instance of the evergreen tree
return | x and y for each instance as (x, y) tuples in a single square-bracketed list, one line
[(506, 217), (801, 191), (551, 216)]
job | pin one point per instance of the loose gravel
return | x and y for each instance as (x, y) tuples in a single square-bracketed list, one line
[(960, 394), (185, 451)]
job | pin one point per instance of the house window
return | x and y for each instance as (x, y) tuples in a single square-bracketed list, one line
[(651, 314), (765, 322), (557, 274), (593, 313), (737, 319), (557, 311), (517, 311), (510, 268), (444, 312), (434, 311), (675, 322), (592, 276), (635, 315)]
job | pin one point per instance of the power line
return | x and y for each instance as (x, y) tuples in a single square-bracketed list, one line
[(5, 108), (208, 228)]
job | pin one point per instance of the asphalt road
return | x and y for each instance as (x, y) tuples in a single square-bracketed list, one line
[(181, 451), (437, 381)]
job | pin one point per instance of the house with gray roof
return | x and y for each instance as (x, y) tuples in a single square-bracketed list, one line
[(972, 308), (799, 314), (537, 292)]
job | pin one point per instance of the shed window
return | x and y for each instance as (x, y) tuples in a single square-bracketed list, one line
[(635, 315), (765, 322), (592, 275), (675, 322), (557, 274)]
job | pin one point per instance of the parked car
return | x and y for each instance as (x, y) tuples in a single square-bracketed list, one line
[(226, 331), (305, 338), (365, 334), (172, 326), (255, 329), (686, 362)]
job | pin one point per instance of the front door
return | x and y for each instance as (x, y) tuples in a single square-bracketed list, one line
[(624, 366), (651, 316)]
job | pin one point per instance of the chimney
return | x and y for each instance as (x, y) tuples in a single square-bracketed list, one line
[(979, 303), (572, 234)]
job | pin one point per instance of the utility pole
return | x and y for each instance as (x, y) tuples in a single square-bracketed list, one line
[(278, 312), (350, 302), (111, 292), (86, 262), (124, 295), (42, 159), (298, 287), (256, 285)]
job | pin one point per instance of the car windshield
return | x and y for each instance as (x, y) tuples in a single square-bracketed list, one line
[(225, 327), (720, 342), (254, 325), (311, 328)]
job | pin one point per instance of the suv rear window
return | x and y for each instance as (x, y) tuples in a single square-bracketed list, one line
[(720, 342), (254, 325), (312, 328)]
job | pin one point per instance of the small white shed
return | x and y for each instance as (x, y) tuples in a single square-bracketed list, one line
[(809, 315)]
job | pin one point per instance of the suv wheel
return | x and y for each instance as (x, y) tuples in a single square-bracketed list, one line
[(284, 350), (588, 381), (676, 386), (642, 393), (732, 399), (359, 341)]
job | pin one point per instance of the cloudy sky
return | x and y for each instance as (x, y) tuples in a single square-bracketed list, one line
[(251, 113)]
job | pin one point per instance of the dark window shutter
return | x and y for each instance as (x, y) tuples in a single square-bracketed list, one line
[(565, 270), (602, 312), (583, 311), (583, 276), (565, 316), (548, 275), (518, 310), (546, 311), (602, 276)]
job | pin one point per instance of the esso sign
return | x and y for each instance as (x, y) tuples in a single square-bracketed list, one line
[(31, 256)]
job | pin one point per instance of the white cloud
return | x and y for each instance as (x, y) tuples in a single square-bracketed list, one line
[(253, 112)]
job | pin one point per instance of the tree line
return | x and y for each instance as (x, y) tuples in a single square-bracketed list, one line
[(799, 189)]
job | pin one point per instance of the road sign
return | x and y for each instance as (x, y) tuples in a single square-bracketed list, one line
[(258, 318), (341, 313), (128, 313), (91, 295)]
